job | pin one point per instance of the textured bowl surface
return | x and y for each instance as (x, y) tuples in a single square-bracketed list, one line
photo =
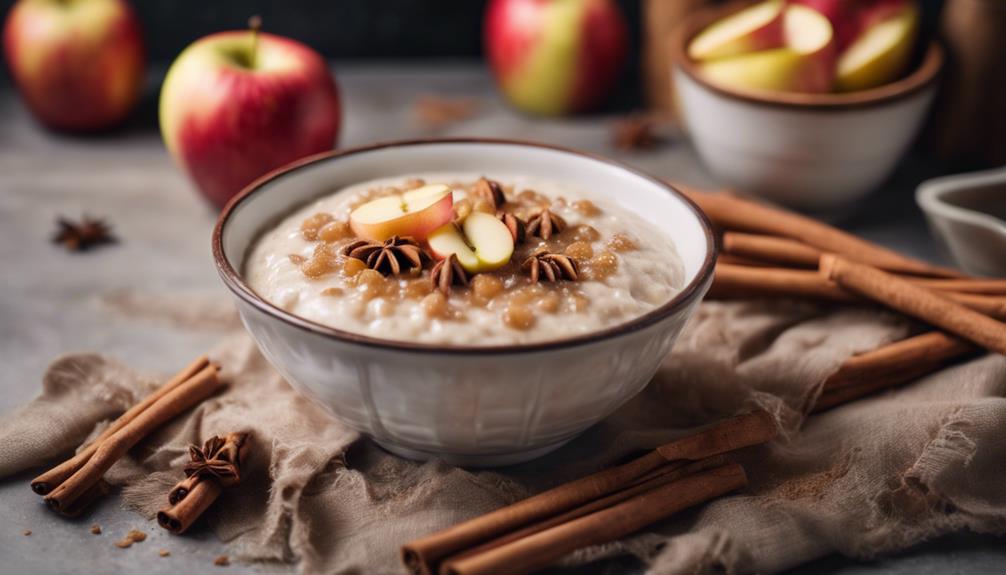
[(478, 405), (809, 151), (967, 212)]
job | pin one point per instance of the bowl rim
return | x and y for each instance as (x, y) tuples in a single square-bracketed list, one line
[(234, 281), (924, 74), (929, 196)]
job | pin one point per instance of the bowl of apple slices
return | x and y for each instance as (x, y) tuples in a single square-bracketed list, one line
[(810, 103), (479, 301)]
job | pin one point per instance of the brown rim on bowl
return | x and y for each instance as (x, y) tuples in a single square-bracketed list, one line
[(236, 284), (922, 76)]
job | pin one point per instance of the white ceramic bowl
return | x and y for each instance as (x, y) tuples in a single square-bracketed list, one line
[(967, 212), (478, 405), (809, 151)]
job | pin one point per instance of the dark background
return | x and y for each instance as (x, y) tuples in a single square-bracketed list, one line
[(339, 29)]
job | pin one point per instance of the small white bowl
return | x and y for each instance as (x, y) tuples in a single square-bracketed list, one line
[(478, 405), (809, 151), (962, 211)]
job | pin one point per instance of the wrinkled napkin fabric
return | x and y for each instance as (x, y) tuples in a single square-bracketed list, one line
[(870, 477)]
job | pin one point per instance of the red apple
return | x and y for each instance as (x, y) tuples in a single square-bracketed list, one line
[(236, 105), (77, 63), (555, 57)]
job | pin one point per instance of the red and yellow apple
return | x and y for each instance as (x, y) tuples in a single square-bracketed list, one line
[(554, 57), (882, 50), (759, 27), (415, 213), (236, 105), (805, 64), (482, 244), (78, 64)]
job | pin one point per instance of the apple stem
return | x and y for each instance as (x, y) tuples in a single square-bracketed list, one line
[(254, 24)]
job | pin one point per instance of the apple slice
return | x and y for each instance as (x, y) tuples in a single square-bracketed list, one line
[(482, 244), (880, 54), (759, 27), (415, 213), (448, 240), (491, 239), (805, 64)]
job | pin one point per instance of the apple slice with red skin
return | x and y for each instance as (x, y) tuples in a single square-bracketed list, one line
[(482, 244), (805, 64), (759, 27), (881, 52), (415, 213)]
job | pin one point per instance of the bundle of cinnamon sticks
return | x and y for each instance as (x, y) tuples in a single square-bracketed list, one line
[(537, 531), (769, 252), (214, 466), (70, 486)]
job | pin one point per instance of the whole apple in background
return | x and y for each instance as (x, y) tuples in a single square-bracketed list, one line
[(78, 64), (758, 27), (806, 63), (236, 105), (555, 57)]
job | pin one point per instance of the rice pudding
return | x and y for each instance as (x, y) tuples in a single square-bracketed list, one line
[(465, 260)]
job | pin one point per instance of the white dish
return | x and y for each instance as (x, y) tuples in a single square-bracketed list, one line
[(967, 212), (470, 405)]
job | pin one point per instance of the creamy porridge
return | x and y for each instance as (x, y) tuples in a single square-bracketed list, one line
[(464, 260)]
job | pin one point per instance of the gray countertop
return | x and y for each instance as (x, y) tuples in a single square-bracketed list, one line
[(53, 302)]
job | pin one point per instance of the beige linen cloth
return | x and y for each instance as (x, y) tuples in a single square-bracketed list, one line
[(867, 478)]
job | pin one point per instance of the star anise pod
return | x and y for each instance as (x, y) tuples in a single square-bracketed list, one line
[(218, 459), (517, 227), (490, 190), (394, 256), (545, 224), (83, 235), (546, 266), (448, 272)]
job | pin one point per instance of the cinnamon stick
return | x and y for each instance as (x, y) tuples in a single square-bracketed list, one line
[(97, 490), (734, 213), (425, 554), (771, 249), (835, 396), (925, 352), (179, 517), (660, 476), (47, 481), (213, 467), (182, 489), (733, 281), (980, 286), (543, 548), (916, 301), (765, 251), (171, 404)]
